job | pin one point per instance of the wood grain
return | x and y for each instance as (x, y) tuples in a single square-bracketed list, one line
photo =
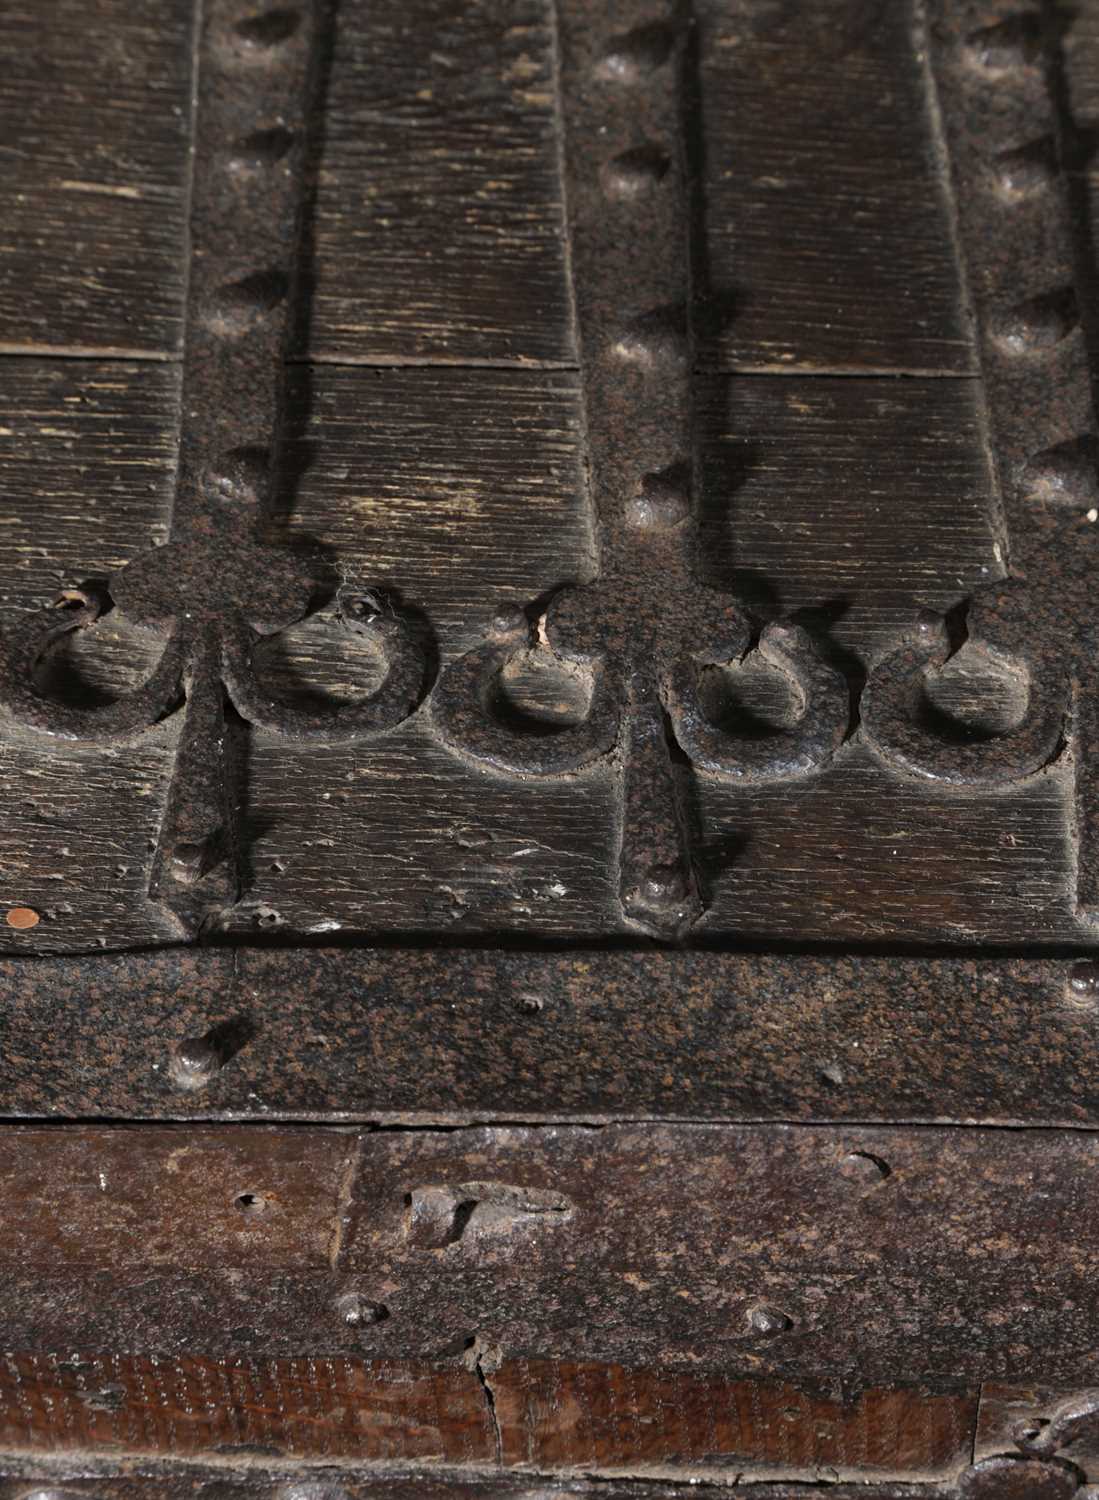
[(94, 126), (607, 1419), (461, 491), (242, 1407), (440, 222), (656, 1248), (861, 854), (87, 465), (135, 1200), (828, 235), (851, 500), (87, 459), (549, 1417)]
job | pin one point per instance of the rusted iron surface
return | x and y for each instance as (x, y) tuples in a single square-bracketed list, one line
[(1007, 1477), (458, 1034), (801, 1254)]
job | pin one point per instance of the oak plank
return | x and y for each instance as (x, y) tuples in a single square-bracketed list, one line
[(607, 1419), (849, 502), (858, 853), (461, 491), (142, 1199), (828, 236), (808, 1255), (240, 1406), (439, 228), (94, 128), (87, 464), (552, 1417)]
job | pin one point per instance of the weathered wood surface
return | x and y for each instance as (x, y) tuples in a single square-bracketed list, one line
[(683, 1253), (439, 230), (94, 127), (463, 490), (843, 502), (302, 1409), (534, 1415), (87, 457), (143, 1199), (827, 216)]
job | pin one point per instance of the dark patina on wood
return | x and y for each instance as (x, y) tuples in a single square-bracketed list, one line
[(614, 553)]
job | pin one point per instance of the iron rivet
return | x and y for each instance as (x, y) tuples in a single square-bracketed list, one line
[(656, 338), (1063, 474), (664, 885), (635, 171), (509, 620), (635, 54), (358, 1311), (928, 623), (1012, 43), (864, 1167), (769, 1321), (1036, 325), (194, 1062), (186, 861), (1083, 981), (1028, 169), (239, 475), (663, 504), (235, 307), (268, 29), (263, 148)]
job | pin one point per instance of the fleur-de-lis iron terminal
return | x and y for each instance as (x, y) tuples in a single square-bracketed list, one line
[(645, 631), (217, 588), (1036, 629)]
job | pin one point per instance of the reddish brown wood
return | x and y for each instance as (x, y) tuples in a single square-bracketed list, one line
[(530, 1414), (295, 1408), (133, 1200), (603, 1418)]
